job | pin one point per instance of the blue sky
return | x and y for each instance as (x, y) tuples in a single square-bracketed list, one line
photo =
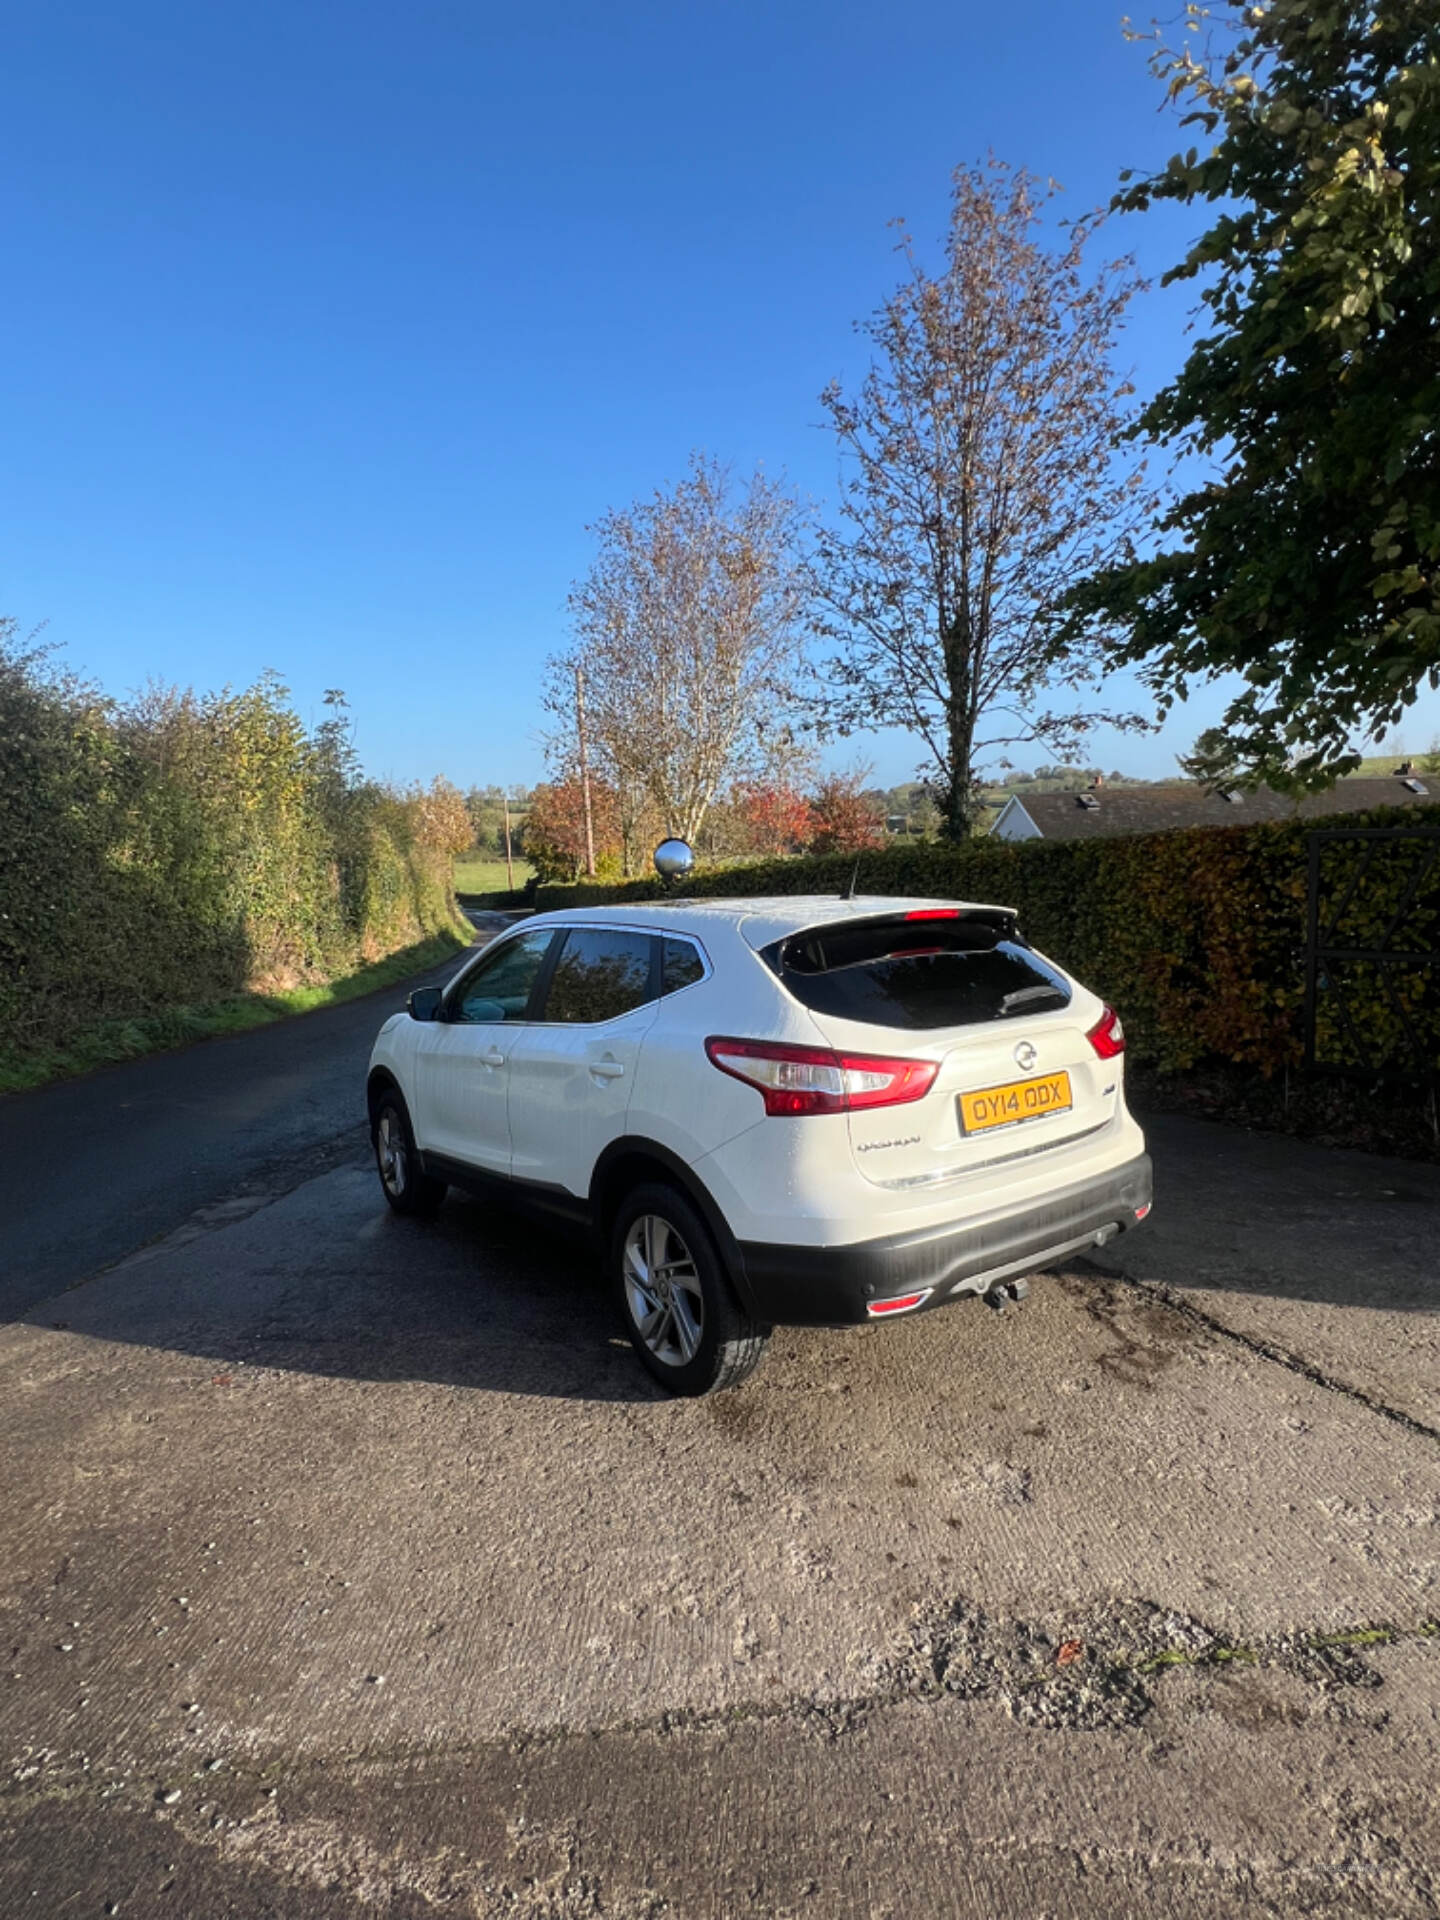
[(328, 328)]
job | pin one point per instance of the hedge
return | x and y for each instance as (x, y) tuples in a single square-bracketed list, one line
[(1196, 935), (183, 849)]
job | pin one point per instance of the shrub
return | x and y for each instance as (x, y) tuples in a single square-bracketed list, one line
[(188, 847), (1195, 935)]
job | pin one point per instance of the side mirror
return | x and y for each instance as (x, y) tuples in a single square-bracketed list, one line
[(424, 1003)]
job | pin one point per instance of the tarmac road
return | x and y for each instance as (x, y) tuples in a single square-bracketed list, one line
[(352, 1567), (92, 1168)]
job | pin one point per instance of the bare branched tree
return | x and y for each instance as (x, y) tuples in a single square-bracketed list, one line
[(979, 481), (689, 632)]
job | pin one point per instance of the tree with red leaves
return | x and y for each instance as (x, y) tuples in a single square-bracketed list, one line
[(555, 828), (843, 819), (771, 817)]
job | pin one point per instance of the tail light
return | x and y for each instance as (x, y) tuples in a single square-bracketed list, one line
[(796, 1080), (1107, 1036)]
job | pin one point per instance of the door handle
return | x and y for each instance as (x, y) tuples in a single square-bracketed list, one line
[(492, 1059), (606, 1069)]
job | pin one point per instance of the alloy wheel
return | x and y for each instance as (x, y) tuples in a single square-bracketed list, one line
[(662, 1290), (392, 1153)]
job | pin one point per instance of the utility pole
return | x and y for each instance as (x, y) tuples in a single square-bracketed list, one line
[(509, 863), (584, 772)]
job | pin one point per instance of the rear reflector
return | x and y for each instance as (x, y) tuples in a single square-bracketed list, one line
[(1107, 1036), (902, 1303), (1140, 1212), (799, 1080)]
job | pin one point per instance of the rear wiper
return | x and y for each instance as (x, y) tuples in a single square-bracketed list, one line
[(899, 953), (1023, 995)]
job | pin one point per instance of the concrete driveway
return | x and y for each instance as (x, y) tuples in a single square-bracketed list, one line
[(353, 1567)]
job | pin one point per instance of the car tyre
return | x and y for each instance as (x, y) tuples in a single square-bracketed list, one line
[(679, 1307), (403, 1181)]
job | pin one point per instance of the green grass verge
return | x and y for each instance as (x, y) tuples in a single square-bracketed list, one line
[(116, 1040), (488, 876)]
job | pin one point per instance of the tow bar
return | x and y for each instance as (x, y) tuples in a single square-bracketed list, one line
[(1007, 1292)]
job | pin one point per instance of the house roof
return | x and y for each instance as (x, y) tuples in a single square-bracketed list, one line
[(1126, 809)]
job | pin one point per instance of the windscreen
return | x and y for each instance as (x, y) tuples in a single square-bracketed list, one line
[(918, 974)]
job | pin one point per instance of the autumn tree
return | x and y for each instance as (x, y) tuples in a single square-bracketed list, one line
[(979, 478), (1307, 557), (773, 817), (442, 819), (688, 632), (843, 818), (555, 828)]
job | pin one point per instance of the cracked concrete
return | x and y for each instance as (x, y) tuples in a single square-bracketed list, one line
[(1326, 1256), (352, 1567)]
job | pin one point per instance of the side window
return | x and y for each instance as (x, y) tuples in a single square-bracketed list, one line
[(683, 966), (600, 973), (499, 988)]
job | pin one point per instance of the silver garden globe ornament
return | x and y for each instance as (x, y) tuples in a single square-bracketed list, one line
[(673, 859)]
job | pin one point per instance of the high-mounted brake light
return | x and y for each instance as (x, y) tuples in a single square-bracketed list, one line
[(1107, 1036), (799, 1080), (934, 913)]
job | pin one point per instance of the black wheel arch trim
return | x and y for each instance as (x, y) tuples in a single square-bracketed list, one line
[(380, 1081), (640, 1147)]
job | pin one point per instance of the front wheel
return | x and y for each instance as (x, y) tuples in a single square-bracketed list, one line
[(680, 1310), (403, 1180)]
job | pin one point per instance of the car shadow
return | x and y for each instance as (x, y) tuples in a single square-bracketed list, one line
[(326, 1281), (476, 1299)]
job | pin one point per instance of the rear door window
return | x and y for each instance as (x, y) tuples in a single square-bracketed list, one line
[(601, 973), (918, 975), (682, 966)]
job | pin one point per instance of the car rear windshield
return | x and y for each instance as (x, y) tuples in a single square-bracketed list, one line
[(918, 974)]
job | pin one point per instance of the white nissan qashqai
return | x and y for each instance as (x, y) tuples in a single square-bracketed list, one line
[(800, 1111)]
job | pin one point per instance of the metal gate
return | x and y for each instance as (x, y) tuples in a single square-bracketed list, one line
[(1373, 928)]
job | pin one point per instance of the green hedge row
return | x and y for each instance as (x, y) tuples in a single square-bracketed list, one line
[(1195, 935), (183, 849)]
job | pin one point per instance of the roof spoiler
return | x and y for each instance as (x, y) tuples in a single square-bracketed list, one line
[(976, 927), (988, 926), (994, 923)]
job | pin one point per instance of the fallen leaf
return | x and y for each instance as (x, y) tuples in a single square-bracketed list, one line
[(1067, 1651)]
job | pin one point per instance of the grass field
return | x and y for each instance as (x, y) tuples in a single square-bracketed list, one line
[(487, 876), (1388, 762)]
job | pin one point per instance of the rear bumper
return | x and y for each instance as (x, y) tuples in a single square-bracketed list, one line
[(835, 1286)]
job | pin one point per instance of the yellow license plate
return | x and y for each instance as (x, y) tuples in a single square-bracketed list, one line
[(1019, 1100)]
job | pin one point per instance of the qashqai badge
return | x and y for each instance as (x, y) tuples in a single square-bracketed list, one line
[(1025, 1056)]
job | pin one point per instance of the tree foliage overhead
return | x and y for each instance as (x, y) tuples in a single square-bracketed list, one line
[(979, 477), (1309, 561)]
